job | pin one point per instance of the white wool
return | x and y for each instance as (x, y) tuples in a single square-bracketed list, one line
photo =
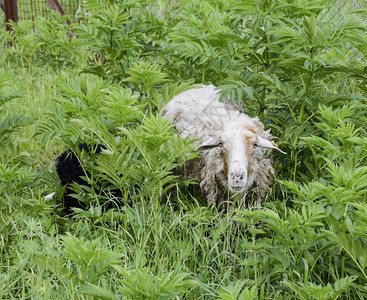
[(197, 113)]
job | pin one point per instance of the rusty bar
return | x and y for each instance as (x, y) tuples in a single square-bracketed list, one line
[(11, 12), (55, 5)]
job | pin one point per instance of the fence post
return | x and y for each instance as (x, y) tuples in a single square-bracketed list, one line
[(55, 5), (11, 12)]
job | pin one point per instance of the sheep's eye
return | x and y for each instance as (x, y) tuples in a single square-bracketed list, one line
[(255, 146)]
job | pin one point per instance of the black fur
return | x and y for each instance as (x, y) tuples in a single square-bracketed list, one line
[(69, 170)]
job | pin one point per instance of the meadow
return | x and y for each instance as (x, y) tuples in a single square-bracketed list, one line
[(105, 80)]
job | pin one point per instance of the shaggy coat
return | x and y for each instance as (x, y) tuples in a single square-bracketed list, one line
[(233, 163)]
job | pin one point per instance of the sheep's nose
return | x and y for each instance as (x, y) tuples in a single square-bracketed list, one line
[(237, 176)]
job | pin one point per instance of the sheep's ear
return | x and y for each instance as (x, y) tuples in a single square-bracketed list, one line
[(209, 144), (261, 142), (208, 147)]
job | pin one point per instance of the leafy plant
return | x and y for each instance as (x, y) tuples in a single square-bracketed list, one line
[(143, 151), (147, 76), (53, 44), (14, 170), (105, 80)]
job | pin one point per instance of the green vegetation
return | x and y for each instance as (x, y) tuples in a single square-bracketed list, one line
[(105, 81)]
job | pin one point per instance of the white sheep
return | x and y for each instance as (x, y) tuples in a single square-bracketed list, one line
[(232, 145)]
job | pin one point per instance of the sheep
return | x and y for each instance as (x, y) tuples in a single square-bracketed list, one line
[(232, 146), (69, 169)]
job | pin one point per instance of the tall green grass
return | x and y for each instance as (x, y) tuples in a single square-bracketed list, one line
[(108, 82)]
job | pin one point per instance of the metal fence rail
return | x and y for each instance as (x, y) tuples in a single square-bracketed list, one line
[(30, 9)]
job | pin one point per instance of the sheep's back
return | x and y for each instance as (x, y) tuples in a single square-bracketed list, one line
[(198, 113)]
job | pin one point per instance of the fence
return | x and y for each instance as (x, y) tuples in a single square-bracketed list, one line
[(29, 9), (339, 9)]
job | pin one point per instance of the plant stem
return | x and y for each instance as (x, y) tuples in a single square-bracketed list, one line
[(203, 76), (149, 103)]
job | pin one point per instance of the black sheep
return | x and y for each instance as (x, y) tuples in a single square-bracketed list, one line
[(69, 170)]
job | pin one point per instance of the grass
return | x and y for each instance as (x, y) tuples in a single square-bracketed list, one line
[(307, 242)]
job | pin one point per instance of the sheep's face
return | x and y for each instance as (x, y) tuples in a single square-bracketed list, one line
[(238, 141), (238, 146)]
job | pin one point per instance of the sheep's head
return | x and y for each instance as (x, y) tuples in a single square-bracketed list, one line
[(238, 144)]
